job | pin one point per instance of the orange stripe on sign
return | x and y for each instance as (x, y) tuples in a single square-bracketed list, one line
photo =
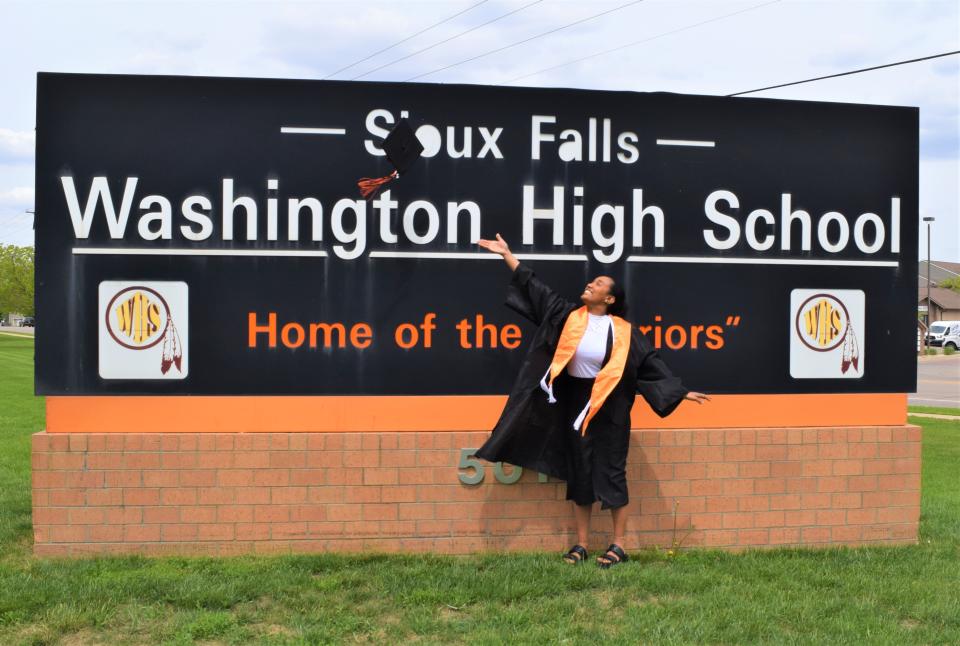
[(756, 411), (435, 413)]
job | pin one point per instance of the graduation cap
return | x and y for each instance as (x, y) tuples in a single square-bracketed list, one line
[(403, 149)]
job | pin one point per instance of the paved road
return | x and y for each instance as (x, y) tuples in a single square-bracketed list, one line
[(938, 382), (17, 330)]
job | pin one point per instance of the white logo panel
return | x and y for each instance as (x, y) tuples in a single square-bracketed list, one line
[(143, 329), (827, 333)]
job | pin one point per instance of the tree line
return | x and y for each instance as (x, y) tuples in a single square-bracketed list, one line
[(16, 279)]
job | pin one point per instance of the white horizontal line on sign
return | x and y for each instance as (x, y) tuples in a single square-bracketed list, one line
[(551, 256), (292, 130), (128, 251), (686, 142), (453, 255), (764, 261), (436, 255)]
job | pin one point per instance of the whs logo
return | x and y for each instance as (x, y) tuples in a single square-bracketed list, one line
[(823, 320), (143, 330), (827, 332)]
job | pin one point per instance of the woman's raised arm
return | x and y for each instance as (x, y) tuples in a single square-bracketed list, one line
[(526, 294)]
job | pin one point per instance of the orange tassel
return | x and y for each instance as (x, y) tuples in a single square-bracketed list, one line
[(369, 186)]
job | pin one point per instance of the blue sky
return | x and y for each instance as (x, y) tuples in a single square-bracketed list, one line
[(764, 44)]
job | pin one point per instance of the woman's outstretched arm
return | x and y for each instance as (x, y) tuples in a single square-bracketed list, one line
[(500, 246), (658, 385)]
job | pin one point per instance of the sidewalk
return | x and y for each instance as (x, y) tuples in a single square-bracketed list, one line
[(938, 357), (935, 416)]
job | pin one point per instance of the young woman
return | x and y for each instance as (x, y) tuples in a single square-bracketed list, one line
[(568, 414)]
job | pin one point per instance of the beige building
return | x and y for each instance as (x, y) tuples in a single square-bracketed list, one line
[(944, 303)]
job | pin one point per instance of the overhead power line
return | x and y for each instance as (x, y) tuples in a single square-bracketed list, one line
[(446, 40), (639, 42), (526, 40), (15, 227), (400, 42), (865, 69)]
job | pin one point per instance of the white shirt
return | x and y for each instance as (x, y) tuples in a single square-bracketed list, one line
[(588, 359)]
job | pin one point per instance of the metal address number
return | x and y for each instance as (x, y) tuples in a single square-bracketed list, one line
[(468, 461)]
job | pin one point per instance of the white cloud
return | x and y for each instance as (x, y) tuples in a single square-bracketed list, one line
[(940, 198), (20, 196), (16, 145)]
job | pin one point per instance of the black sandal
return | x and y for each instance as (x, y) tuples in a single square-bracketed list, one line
[(576, 555), (614, 551)]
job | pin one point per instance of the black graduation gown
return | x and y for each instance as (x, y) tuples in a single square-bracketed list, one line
[(530, 432)]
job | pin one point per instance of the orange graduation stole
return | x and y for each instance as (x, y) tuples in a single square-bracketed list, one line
[(608, 377)]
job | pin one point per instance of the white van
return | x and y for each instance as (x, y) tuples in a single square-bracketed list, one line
[(944, 334)]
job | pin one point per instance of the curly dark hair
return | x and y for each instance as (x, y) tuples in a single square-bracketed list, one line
[(619, 306)]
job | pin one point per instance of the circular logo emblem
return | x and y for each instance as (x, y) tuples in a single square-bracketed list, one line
[(821, 322), (137, 317)]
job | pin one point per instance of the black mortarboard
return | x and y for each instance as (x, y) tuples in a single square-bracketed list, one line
[(403, 149)]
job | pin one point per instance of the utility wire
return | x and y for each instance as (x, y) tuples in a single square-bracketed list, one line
[(638, 42), (14, 228), (446, 40), (865, 69), (16, 221), (400, 42), (526, 40)]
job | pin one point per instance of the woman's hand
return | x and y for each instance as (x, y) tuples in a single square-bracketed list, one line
[(498, 246), (696, 397)]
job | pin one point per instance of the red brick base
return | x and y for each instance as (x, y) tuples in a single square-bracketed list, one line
[(309, 492)]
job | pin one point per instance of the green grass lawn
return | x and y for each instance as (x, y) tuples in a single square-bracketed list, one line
[(893, 595)]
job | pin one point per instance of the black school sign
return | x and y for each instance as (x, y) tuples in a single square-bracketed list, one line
[(206, 235)]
